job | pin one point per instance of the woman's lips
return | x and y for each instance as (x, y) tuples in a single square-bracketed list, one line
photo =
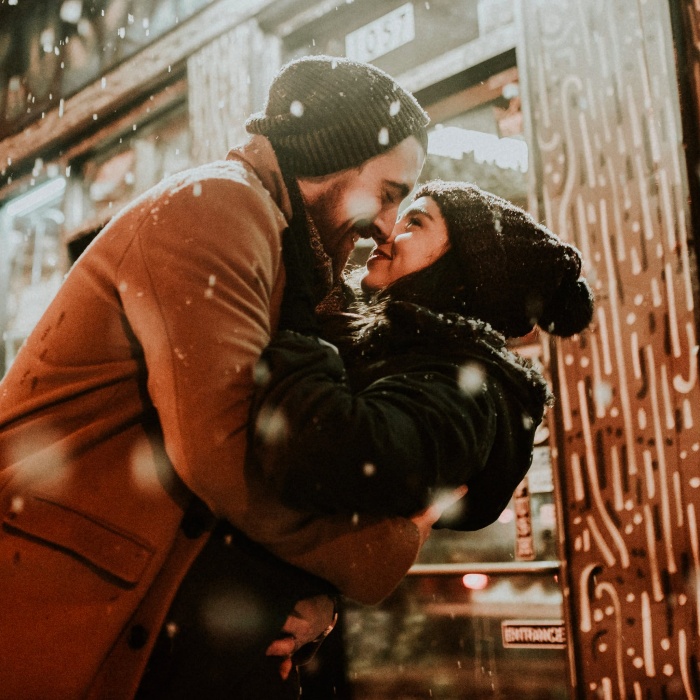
[(378, 255)]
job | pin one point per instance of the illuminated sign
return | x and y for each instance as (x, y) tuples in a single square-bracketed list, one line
[(549, 634), (454, 142), (385, 34)]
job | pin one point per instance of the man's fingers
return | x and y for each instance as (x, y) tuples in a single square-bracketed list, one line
[(309, 619), (284, 646), (286, 668)]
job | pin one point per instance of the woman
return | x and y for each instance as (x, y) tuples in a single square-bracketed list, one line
[(427, 367)]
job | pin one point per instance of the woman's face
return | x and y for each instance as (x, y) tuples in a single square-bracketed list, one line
[(419, 238)]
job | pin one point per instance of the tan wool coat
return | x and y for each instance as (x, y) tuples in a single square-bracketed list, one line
[(130, 396)]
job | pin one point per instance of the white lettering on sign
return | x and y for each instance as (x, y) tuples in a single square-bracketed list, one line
[(385, 34), (533, 633)]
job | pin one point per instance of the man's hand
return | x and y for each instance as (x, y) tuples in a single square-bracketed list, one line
[(428, 517), (311, 619)]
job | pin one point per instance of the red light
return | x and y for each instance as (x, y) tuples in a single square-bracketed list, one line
[(475, 582)]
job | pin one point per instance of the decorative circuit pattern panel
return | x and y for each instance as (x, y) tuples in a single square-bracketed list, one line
[(611, 178)]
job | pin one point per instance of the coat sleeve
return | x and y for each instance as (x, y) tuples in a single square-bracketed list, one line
[(387, 449), (198, 285)]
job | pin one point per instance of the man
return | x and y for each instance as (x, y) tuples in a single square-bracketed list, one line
[(123, 419)]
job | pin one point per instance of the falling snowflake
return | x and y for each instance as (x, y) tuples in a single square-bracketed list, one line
[(497, 223), (471, 378), (603, 394), (17, 504), (271, 426), (261, 373)]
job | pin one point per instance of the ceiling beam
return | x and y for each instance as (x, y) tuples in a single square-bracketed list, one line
[(149, 68)]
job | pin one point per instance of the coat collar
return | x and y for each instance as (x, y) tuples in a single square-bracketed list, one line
[(258, 155)]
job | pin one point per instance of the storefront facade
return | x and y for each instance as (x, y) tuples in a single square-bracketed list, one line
[(585, 587)]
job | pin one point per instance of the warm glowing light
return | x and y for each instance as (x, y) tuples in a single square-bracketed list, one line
[(475, 582), (454, 142)]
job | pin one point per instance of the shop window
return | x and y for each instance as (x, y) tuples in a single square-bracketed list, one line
[(32, 261), (460, 637), (477, 136), (44, 229)]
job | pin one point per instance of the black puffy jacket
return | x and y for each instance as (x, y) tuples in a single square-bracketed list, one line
[(427, 402)]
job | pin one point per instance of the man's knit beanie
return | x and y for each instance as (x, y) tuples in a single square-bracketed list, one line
[(516, 273), (324, 114)]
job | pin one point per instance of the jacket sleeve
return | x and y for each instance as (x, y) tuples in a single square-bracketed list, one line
[(386, 450), (197, 285)]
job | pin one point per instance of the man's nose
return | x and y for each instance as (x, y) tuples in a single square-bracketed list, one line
[(384, 226)]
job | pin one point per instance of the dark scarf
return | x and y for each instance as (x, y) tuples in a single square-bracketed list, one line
[(310, 291)]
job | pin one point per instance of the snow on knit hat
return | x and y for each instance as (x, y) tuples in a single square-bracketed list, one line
[(516, 273), (324, 114)]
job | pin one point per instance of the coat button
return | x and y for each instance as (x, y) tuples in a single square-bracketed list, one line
[(197, 520), (138, 636)]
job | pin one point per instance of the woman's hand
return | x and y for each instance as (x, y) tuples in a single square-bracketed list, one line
[(428, 517)]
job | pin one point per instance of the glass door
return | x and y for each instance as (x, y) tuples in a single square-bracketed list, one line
[(480, 615)]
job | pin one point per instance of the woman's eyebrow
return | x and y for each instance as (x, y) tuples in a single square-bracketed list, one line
[(416, 209)]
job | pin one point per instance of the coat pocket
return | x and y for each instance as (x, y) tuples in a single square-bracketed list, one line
[(116, 553)]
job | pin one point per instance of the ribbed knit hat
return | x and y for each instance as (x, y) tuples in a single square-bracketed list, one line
[(324, 114), (502, 266)]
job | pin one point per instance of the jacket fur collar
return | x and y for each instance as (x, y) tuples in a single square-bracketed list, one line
[(402, 328)]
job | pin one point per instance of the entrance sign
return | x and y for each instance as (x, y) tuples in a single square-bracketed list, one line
[(550, 634)]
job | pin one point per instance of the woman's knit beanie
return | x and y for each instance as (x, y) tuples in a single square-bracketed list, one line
[(324, 114), (517, 273)]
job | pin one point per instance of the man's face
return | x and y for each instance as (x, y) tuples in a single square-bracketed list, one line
[(362, 202)]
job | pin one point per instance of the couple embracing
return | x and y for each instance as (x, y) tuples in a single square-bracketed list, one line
[(211, 433)]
